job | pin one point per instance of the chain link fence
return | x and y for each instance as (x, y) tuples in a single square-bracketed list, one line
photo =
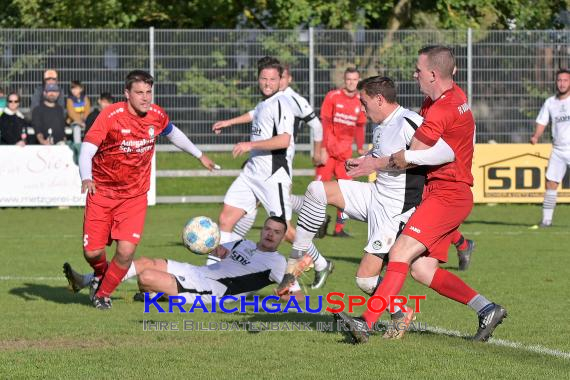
[(208, 75)]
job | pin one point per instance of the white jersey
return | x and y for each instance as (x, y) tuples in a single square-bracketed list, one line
[(402, 190), (271, 117), (245, 268), (303, 113), (558, 112)]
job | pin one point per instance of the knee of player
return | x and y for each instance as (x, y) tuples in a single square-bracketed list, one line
[(316, 191), (420, 274), (290, 234), (145, 277), (367, 284)]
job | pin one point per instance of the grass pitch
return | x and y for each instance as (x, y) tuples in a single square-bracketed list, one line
[(48, 332)]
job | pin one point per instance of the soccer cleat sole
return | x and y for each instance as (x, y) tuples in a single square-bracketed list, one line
[(71, 280), (402, 325), (353, 331)]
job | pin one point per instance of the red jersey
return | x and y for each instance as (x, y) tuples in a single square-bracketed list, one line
[(343, 121), (122, 164), (450, 118)]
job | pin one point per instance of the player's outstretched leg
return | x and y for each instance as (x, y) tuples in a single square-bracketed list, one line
[(321, 276), (312, 215), (76, 281), (354, 328)]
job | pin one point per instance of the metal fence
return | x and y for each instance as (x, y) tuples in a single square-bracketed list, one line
[(208, 75)]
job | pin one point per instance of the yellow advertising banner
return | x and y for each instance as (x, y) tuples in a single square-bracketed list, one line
[(513, 173)]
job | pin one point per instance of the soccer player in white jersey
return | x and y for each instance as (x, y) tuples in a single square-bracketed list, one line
[(385, 204), (244, 267), (304, 114), (266, 176), (556, 109)]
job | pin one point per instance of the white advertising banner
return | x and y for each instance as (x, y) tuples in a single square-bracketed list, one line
[(43, 176)]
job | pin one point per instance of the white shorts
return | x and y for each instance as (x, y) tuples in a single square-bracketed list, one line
[(274, 193), (363, 202), (192, 283), (557, 165)]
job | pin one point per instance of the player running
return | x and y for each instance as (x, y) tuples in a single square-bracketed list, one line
[(266, 176), (555, 109), (446, 202), (343, 122), (115, 165)]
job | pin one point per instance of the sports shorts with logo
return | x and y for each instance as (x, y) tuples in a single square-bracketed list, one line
[(385, 221), (192, 283), (107, 219), (444, 206), (273, 193)]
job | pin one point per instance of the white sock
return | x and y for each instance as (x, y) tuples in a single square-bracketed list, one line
[(132, 272), (87, 279), (320, 263), (225, 237), (243, 225), (548, 206)]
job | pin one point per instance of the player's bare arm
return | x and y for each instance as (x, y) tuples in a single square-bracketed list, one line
[(538, 131), (277, 142), (242, 119)]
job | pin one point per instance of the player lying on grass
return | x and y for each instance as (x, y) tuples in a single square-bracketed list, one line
[(245, 267)]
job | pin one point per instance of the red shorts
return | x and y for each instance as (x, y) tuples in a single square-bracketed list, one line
[(445, 205), (335, 167), (107, 219)]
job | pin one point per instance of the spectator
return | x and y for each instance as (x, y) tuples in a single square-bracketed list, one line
[(105, 99), (78, 105), (2, 100), (50, 77), (48, 119), (13, 127)]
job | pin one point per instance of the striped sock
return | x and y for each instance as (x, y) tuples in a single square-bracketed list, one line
[(297, 203), (318, 259), (243, 226), (313, 214)]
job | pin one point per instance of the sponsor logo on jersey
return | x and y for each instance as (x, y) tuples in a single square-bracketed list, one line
[(463, 108), (255, 130), (415, 229), (563, 118), (115, 112), (125, 131), (377, 244)]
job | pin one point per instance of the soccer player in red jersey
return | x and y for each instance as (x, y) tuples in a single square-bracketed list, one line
[(343, 122), (115, 165), (446, 203)]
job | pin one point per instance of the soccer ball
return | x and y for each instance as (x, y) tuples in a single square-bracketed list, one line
[(201, 235)]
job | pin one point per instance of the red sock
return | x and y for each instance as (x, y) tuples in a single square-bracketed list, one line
[(456, 237), (396, 273), (99, 264), (339, 226), (112, 279), (449, 285)]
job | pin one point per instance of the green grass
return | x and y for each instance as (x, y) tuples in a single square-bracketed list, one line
[(48, 332)]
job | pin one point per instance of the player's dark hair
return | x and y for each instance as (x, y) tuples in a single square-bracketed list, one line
[(441, 57), (107, 96), (379, 85), (13, 93), (562, 71), (138, 76), (350, 70), (278, 219), (269, 63)]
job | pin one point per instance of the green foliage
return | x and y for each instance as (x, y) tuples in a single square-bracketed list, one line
[(281, 14), (217, 93)]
